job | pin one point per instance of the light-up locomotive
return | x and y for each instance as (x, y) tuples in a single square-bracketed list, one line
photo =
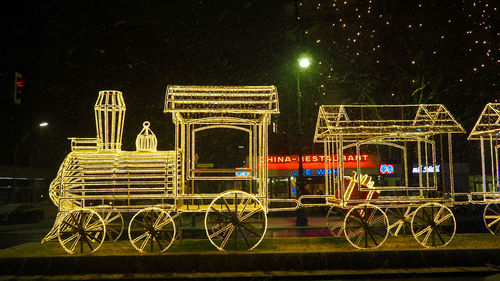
[(99, 186), (98, 182)]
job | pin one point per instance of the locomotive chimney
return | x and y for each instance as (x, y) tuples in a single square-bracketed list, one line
[(109, 116)]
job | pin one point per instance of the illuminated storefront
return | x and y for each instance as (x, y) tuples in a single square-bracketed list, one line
[(283, 170)]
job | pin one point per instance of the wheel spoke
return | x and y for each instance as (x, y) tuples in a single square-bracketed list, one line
[(89, 218), (377, 219), (165, 222), (226, 204), (398, 225), (140, 237), (371, 236), (361, 234), (90, 245), (228, 235), (74, 220), (158, 220), (494, 211), (244, 235), (357, 217), (494, 221), (442, 219), (159, 244), (109, 220), (96, 225), (359, 231), (167, 231), (110, 229), (436, 216), (339, 225), (253, 212), (65, 241), (418, 234), (252, 229), (221, 213), (70, 225), (145, 242), (247, 201), (427, 235), (497, 228), (75, 243), (142, 223), (438, 233), (221, 230)]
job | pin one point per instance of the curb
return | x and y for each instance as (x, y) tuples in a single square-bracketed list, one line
[(218, 263)]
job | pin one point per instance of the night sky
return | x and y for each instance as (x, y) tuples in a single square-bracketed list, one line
[(374, 52)]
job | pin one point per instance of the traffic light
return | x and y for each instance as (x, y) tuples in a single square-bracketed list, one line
[(19, 83)]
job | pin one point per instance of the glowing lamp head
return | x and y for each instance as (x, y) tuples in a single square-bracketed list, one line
[(304, 62), (44, 124)]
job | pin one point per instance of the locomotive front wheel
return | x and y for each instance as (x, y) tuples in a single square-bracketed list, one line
[(151, 229), (335, 221), (366, 226), (114, 222), (84, 227), (491, 217), (433, 225), (235, 219)]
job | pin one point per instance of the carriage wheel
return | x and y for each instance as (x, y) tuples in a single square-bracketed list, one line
[(491, 217), (84, 227), (399, 220), (114, 222), (335, 221), (366, 226), (151, 229), (433, 225), (237, 215)]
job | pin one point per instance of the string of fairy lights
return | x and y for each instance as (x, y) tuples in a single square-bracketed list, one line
[(421, 38)]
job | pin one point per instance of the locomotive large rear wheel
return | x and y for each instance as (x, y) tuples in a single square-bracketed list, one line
[(114, 222), (366, 226), (433, 225), (82, 227), (235, 219), (151, 229), (491, 217)]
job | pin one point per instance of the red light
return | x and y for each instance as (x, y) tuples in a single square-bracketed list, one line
[(20, 84)]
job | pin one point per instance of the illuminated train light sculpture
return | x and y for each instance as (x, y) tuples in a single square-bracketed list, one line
[(366, 212), (98, 183), (487, 130)]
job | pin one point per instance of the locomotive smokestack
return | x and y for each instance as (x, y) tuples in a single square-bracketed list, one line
[(109, 116)]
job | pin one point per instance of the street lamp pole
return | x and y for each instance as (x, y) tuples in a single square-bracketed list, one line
[(301, 217)]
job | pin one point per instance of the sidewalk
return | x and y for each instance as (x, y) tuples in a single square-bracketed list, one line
[(276, 257)]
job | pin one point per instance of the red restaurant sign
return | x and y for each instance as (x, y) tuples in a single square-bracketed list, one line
[(290, 162)]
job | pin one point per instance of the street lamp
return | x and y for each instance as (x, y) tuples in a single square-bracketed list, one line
[(304, 63)]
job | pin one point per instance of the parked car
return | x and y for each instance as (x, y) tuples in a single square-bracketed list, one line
[(20, 213)]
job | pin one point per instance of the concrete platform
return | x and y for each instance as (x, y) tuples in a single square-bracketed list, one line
[(468, 254)]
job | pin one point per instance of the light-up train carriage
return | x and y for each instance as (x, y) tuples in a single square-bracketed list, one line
[(405, 192), (487, 132), (98, 182)]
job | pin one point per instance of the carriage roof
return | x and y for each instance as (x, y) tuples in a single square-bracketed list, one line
[(354, 122), (246, 102), (488, 124)]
